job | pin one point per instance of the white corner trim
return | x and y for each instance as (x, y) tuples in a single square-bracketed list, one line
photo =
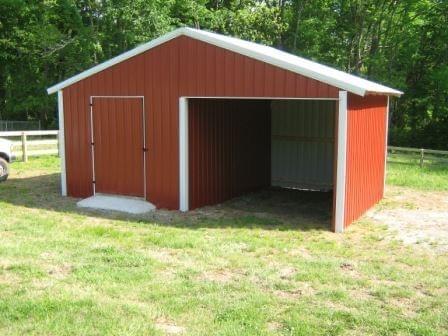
[(183, 154), (385, 144), (341, 162), (259, 52), (62, 143)]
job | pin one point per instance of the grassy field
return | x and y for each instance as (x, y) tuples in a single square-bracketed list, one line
[(64, 271), (404, 170)]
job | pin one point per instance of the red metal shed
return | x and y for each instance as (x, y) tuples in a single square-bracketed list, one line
[(197, 118)]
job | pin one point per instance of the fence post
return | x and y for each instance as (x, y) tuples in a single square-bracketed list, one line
[(24, 149), (58, 138), (422, 153)]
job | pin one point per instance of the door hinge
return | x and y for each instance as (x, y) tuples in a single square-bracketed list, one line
[(145, 149), (93, 182)]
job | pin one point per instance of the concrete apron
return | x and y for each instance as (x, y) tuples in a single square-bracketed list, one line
[(132, 205)]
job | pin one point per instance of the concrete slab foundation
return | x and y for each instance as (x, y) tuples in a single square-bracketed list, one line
[(132, 205)]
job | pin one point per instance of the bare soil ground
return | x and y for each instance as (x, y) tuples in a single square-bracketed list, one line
[(412, 216), (417, 217), (302, 209)]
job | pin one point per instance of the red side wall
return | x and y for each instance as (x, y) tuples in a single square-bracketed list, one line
[(180, 67), (229, 149), (366, 145)]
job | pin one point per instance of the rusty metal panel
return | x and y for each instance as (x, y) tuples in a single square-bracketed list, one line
[(302, 144), (118, 145), (366, 145), (180, 67), (229, 150)]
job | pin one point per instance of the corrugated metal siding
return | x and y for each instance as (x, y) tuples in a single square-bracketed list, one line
[(366, 137), (302, 143), (229, 149), (118, 139), (180, 67)]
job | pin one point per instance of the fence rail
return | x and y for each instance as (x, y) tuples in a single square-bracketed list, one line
[(47, 143), (432, 155), (30, 133)]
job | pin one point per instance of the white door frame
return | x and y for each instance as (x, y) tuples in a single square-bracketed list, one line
[(92, 142), (183, 140)]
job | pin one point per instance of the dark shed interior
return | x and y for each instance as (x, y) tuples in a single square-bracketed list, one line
[(241, 145)]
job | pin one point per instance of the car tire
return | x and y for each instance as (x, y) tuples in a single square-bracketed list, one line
[(4, 170)]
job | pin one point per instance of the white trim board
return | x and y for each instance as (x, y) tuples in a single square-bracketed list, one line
[(183, 155), (341, 163), (92, 141), (257, 98), (61, 137), (256, 51)]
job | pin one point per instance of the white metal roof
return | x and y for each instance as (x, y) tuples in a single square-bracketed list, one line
[(260, 52)]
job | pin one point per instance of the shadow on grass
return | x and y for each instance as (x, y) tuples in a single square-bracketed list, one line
[(273, 208)]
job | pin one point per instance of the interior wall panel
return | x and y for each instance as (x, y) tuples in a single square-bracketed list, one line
[(302, 144), (366, 144), (229, 149), (180, 67)]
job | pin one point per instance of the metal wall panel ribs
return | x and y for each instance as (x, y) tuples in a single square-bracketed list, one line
[(366, 145), (302, 144)]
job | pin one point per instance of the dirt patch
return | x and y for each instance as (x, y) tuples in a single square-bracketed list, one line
[(274, 326), (350, 269), (168, 327), (221, 276), (360, 294), (302, 289), (164, 256), (60, 271), (346, 267), (273, 206), (287, 272), (417, 217), (301, 252)]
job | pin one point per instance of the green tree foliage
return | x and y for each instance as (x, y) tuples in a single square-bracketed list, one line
[(399, 43)]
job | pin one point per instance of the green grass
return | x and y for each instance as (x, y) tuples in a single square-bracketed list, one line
[(65, 272), (405, 172)]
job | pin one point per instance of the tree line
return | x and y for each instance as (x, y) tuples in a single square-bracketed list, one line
[(401, 43)]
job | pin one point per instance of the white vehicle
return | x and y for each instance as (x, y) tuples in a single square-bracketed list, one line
[(5, 158)]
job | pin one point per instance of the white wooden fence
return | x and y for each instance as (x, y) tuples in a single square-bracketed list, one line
[(437, 156), (25, 143), (47, 143)]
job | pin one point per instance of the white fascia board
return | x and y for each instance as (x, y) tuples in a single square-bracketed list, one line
[(120, 58)]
